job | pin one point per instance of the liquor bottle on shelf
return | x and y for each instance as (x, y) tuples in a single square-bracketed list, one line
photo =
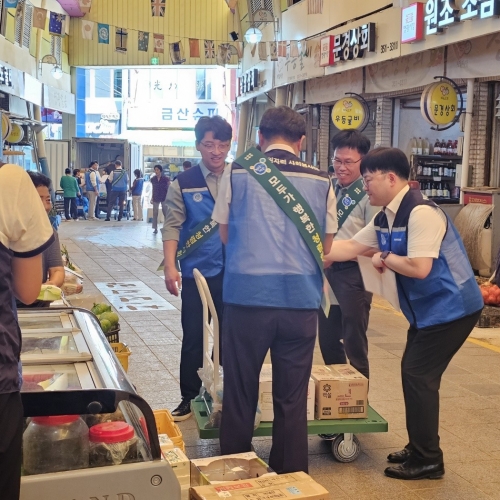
[(437, 148), (446, 191), (444, 150), (419, 168), (440, 190), (455, 193), (455, 147), (433, 190), (428, 189), (425, 147), (413, 146), (419, 146), (449, 148)]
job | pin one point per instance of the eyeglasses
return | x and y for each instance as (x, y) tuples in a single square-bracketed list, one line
[(367, 182), (347, 163), (211, 147)]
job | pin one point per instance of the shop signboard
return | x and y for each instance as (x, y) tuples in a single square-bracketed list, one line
[(440, 14), (326, 55), (102, 125), (334, 87), (476, 58), (407, 72), (412, 23), (58, 99), (170, 114), (32, 90), (385, 44), (349, 45), (439, 103), (301, 65), (349, 113)]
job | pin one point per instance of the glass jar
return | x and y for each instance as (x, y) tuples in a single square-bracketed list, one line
[(54, 444), (112, 443)]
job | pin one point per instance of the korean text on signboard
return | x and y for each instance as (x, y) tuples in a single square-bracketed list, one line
[(354, 43), (249, 81), (412, 23), (5, 76), (348, 113), (440, 14)]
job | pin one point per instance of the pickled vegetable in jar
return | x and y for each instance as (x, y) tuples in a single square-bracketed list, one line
[(112, 443)]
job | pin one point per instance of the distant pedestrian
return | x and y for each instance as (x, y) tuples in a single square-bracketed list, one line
[(137, 188), (160, 184), (186, 165), (70, 188), (119, 187), (92, 182)]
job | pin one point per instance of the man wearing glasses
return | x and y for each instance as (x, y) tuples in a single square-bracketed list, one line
[(348, 321), (188, 236)]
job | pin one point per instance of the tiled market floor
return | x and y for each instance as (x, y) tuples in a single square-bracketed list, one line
[(470, 394)]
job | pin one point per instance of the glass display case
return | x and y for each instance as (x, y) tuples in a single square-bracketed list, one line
[(88, 434)]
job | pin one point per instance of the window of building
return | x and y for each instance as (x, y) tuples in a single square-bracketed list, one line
[(118, 83), (203, 85), (103, 83), (293, 2)]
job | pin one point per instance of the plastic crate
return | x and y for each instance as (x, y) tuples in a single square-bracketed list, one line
[(165, 425), (113, 336), (122, 352)]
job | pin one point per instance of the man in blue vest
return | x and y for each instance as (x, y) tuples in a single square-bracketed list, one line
[(344, 331), (437, 292), (92, 182), (119, 187), (272, 288), (190, 201)]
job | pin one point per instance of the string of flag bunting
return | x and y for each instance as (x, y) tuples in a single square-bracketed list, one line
[(222, 54)]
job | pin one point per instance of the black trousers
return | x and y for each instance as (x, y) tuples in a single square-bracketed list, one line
[(121, 196), (192, 329), (347, 321), (427, 354), (11, 434), (290, 334), (70, 213)]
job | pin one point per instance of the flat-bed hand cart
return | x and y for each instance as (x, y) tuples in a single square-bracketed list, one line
[(345, 445)]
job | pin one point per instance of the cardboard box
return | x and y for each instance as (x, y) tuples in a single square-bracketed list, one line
[(180, 465), (297, 485), (216, 470), (266, 395), (341, 392)]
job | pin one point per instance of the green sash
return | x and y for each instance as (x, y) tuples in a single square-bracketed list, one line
[(286, 196), (118, 179), (348, 201), (201, 233)]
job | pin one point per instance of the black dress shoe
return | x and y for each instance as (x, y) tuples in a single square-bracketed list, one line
[(412, 470), (399, 457)]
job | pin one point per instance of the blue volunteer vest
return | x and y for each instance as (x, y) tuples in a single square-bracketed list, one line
[(120, 181), (88, 184), (268, 264), (208, 257), (450, 291)]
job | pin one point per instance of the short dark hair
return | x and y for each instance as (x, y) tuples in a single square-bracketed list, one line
[(158, 166), (76, 171), (187, 164), (221, 129), (137, 173), (282, 122), (386, 160), (352, 139), (118, 163), (67, 171), (108, 169), (93, 162), (39, 179)]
